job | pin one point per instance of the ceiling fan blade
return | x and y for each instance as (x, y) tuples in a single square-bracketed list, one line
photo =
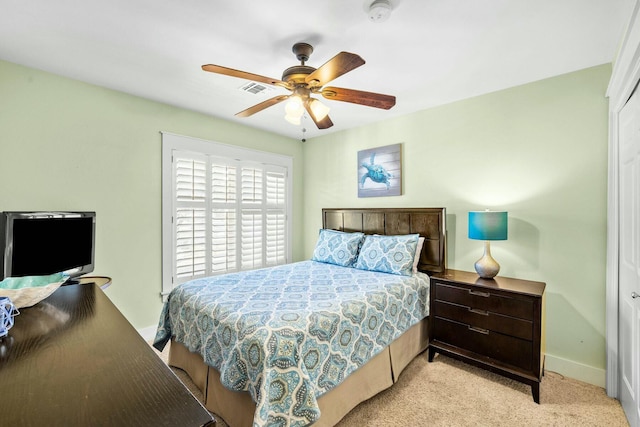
[(370, 99), (325, 123), (218, 69), (340, 64), (261, 106)]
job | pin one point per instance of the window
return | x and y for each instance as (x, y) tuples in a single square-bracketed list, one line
[(224, 209)]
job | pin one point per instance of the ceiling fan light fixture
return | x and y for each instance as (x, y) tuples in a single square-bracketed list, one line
[(294, 106), (380, 10), (294, 109), (320, 111)]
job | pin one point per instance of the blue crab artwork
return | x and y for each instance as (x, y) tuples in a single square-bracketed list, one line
[(377, 173)]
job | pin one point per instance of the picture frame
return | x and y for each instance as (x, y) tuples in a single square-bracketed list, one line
[(380, 171)]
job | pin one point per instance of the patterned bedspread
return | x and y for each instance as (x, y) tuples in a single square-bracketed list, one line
[(288, 334)]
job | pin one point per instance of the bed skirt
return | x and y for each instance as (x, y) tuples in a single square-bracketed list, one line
[(381, 372)]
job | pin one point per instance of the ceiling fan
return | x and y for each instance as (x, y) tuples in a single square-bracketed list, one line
[(304, 81)]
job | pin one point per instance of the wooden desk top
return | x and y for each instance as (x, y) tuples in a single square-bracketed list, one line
[(74, 360)]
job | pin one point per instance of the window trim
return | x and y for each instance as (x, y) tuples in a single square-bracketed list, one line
[(172, 142)]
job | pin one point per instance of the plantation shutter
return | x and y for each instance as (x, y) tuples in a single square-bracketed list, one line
[(229, 215), (276, 214), (190, 216), (223, 216), (252, 230)]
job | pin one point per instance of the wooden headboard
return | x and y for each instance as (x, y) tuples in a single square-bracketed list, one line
[(428, 222)]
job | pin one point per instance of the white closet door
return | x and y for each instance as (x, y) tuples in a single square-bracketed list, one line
[(629, 291)]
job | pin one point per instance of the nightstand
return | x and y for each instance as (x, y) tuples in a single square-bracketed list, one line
[(496, 324)]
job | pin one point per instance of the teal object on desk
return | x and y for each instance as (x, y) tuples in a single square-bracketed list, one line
[(31, 281), (29, 290), (487, 225)]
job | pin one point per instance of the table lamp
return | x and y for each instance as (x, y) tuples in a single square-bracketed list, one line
[(487, 225)]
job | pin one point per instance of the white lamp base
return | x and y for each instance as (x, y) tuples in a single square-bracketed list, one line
[(487, 267)]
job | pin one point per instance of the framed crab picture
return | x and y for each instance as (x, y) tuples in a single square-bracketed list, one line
[(380, 171)]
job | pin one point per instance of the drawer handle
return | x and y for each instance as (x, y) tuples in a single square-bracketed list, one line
[(481, 312), (479, 330), (479, 294)]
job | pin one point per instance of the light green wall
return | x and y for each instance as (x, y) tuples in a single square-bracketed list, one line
[(538, 151), (66, 145)]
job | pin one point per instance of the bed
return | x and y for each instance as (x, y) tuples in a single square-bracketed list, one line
[(305, 343)]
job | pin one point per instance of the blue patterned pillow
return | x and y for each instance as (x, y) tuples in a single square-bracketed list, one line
[(337, 247), (388, 254)]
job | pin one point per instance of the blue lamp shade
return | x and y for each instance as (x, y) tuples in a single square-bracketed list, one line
[(487, 225)]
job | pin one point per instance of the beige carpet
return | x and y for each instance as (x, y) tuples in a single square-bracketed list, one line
[(451, 393)]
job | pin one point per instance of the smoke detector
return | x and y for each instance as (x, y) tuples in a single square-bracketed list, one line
[(380, 10)]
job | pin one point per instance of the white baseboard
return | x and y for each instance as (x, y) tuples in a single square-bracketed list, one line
[(148, 333), (575, 370)]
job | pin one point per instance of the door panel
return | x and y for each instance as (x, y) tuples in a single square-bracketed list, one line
[(629, 238)]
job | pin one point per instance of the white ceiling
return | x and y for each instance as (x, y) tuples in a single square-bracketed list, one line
[(428, 53)]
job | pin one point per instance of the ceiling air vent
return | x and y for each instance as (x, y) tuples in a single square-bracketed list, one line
[(256, 88)]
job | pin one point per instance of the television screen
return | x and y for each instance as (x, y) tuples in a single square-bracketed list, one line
[(42, 243)]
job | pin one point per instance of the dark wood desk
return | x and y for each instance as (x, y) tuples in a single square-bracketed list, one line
[(74, 360)]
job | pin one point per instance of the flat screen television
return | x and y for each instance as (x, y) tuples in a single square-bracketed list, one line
[(43, 243)]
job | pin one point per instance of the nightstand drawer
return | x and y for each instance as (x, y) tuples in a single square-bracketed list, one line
[(503, 348), (483, 319), (483, 299)]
